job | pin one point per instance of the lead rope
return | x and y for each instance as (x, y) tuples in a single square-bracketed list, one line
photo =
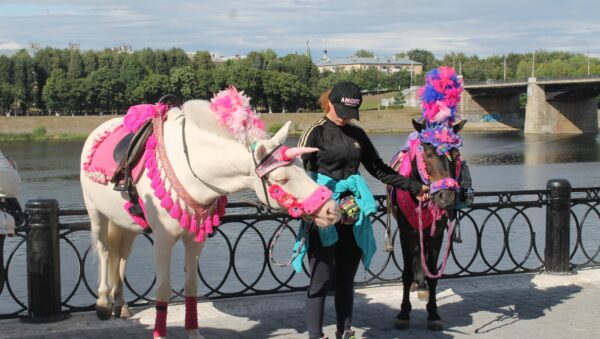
[(450, 229), (388, 242), (295, 254)]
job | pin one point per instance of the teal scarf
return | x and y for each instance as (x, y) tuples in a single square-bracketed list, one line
[(363, 229)]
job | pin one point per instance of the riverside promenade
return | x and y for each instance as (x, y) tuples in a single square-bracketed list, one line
[(510, 306)]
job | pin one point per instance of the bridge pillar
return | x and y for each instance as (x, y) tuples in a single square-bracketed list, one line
[(558, 115), (503, 108)]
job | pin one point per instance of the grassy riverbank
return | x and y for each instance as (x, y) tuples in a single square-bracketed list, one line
[(42, 128)]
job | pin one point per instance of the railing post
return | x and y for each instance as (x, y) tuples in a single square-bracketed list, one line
[(558, 217), (43, 262), (2, 274)]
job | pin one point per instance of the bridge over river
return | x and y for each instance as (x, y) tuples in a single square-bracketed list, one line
[(554, 105)]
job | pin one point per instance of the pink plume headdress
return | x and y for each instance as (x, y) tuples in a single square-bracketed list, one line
[(440, 95), (234, 113), (439, 98)]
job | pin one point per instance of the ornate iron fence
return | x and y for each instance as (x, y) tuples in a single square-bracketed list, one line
[(500, 233)]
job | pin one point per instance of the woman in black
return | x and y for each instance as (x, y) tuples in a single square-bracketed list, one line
[(342, 148)]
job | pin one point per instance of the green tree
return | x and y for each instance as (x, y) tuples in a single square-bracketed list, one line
[(24, 79), (423, 56), (161, 62), (363, 53), (184, 83), (152, 88), (284, 92), (260, 60), (6, 97), (90, 62), (148, 58), (177, 57), (203, 61), (56, 90), (75, 70), (105, 91), (303, 69), (6, 69), (45, 61), (131, 75), (243, 78)]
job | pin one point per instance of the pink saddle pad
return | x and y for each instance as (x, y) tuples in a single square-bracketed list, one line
[(100, 165)]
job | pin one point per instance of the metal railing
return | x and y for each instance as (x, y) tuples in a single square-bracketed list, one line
[(500, 234)]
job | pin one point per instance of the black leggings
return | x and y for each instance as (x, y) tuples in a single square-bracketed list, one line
[(335, 264)]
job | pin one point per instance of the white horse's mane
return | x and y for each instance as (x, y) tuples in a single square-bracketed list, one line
[(199, 113)]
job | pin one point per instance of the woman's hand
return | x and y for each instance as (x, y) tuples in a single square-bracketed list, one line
[(424, 194)]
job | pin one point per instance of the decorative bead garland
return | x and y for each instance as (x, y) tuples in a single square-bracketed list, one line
[(196, 219)]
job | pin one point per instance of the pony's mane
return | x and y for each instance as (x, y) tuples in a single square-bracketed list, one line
[(228, 114)]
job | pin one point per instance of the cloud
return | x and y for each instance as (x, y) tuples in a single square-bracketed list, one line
[(341, 26), (10, 45)]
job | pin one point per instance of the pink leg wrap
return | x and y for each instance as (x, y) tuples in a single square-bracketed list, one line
[(191, 313), (160, 322)]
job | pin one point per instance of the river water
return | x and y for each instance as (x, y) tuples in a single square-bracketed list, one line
[(498, 161)]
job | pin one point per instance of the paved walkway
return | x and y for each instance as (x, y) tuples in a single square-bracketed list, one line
[(514, 306)]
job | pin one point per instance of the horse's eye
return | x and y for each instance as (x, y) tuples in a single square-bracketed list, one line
[(281, 181)]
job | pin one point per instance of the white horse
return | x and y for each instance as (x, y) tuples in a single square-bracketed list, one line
[(217, 162)]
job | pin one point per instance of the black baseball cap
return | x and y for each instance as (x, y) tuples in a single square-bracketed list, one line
[(346, 99)]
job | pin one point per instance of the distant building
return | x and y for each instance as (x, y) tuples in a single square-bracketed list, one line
[(74, 46), (124, 48), (221, 58), (390, 65)]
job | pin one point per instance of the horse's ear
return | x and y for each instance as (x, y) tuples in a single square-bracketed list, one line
[(456, 128), (418, 126), (281, 135), (260, 150)]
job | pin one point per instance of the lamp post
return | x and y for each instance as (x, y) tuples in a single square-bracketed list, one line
[(588, 58), (378, 98)]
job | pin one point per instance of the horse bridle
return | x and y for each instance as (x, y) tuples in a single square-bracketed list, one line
[(273, 160), (444, 183)]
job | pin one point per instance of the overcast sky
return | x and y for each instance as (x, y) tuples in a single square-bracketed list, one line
[(229, 27)]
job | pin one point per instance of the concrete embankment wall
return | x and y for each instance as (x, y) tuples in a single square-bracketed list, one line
[(371, 121)]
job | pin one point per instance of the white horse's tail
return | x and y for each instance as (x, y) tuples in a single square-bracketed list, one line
[(120, 241)]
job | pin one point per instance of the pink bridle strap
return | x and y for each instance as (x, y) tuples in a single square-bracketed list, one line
[(444, 184), (314, 201), (295, 208), (279, 157)]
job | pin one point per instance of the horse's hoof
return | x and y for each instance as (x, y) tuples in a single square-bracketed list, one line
[(402, 324), (435, 325), (121, 311), (103, 312), (423, 295), (194, 334)]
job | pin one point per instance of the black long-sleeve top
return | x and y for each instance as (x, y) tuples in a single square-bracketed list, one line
[(341, 151)]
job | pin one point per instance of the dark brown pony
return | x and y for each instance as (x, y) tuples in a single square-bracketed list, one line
[(438, 167)]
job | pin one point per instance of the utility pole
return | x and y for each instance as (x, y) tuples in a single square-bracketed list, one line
[(588, 57), (533, 65), (411, 74), (453, 60), (505, 67)]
